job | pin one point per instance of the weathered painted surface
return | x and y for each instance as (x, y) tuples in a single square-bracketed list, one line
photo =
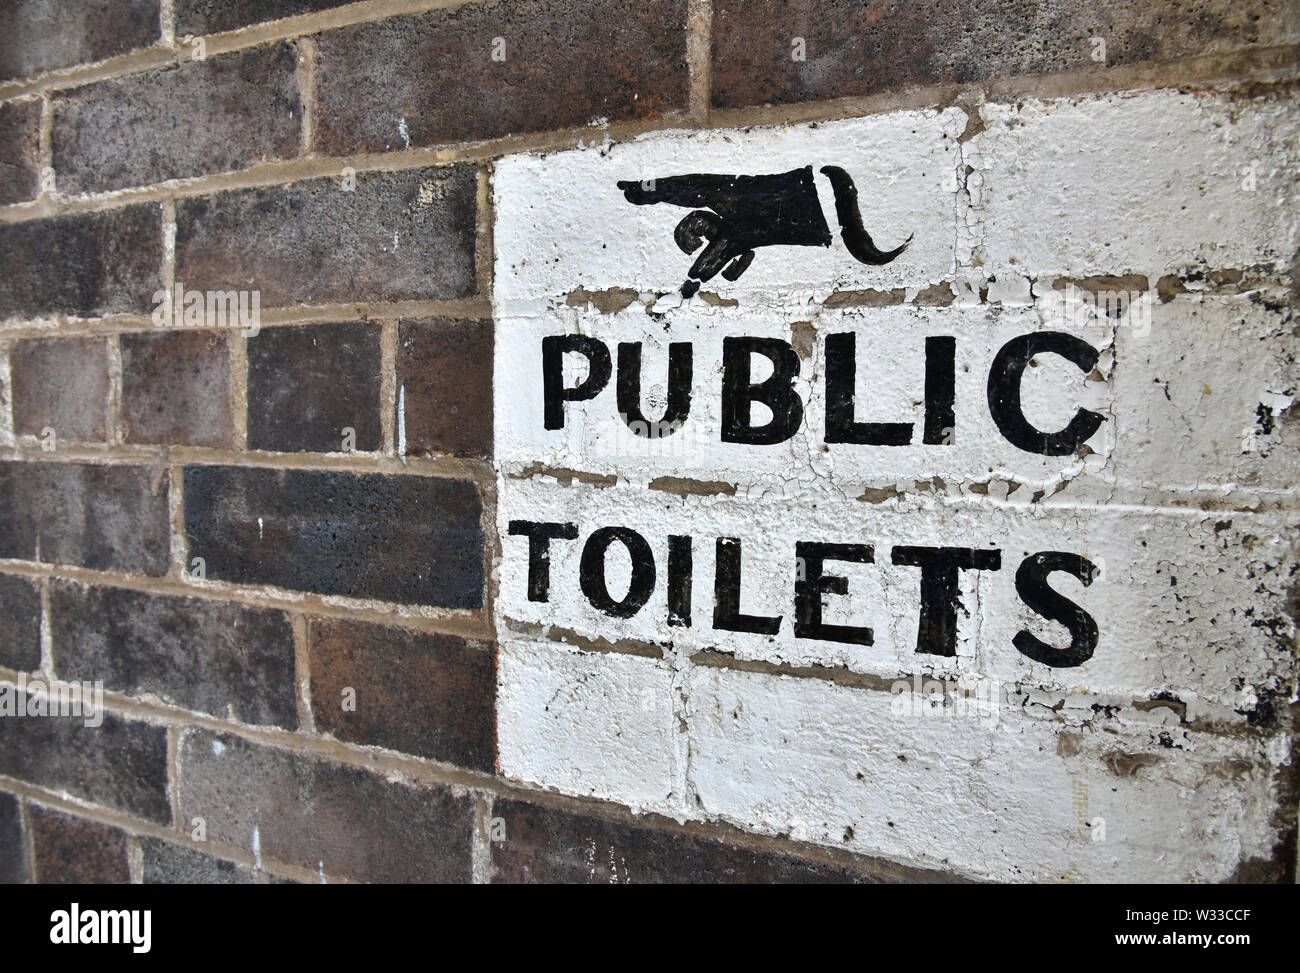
[(1134, 184), (1170, 614), (566, 225), (1025, 795), (1048, 452), (1183, 421)]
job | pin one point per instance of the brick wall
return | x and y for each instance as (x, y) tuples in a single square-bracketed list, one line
[(279, 547)]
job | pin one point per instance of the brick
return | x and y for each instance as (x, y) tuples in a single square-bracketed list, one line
[(176, 389), (13, 846), (444, 372), (1007, 797), (414, 540), (20, 623), (856, 48), (429, 695), (73, 851), (214, 657), (210, 16), (306, 385), (567, 62), (1195, 154), (86, 264), (101, 517), (38, 35), (548, 846), (121, 764), (596, 724), (20, 129), (169, 864), (306, 811), (216, 115), (61, 384), (397, 236)]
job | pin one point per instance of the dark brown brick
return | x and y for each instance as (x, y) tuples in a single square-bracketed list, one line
[(408, 539), (542, 845), (85, 264), (61, 384), (567, 62), (210, 16), (20, 129), (38, 35), (428, 695), (74, 851), (176, 389), (102, 517), (169, 864), (121, 764), (396, 236), (13, 846), (860, 48), (309, 812), (307, 384), (211, 656), (216, 115), (20, 623), (444, 368)]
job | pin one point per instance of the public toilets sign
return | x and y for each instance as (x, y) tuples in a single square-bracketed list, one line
[(758, 391)]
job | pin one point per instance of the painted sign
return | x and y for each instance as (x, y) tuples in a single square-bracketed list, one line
[(784, 476)]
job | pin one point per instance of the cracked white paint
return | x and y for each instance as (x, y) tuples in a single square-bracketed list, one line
[(1185, 498), (1136, 184), (780, 754), (890, 354)]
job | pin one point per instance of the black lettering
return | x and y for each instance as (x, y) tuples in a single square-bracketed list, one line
[(841, 373), (554, 392), (940, 590), (540, 535), (940, 390), (776, 392), (680, 570), (1004, 393), (726, 594), (809, 588), (591, 572), (679, 389), (1031, 586)]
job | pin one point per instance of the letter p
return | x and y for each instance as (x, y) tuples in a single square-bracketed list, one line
[(554, 392)]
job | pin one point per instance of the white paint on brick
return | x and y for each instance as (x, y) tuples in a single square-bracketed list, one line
[(1190, 602), (563, 223), (1184, 500), (1203, 404), (890, 352), (1185, 422), (842, 767), (1140, 183), (594, 724)]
